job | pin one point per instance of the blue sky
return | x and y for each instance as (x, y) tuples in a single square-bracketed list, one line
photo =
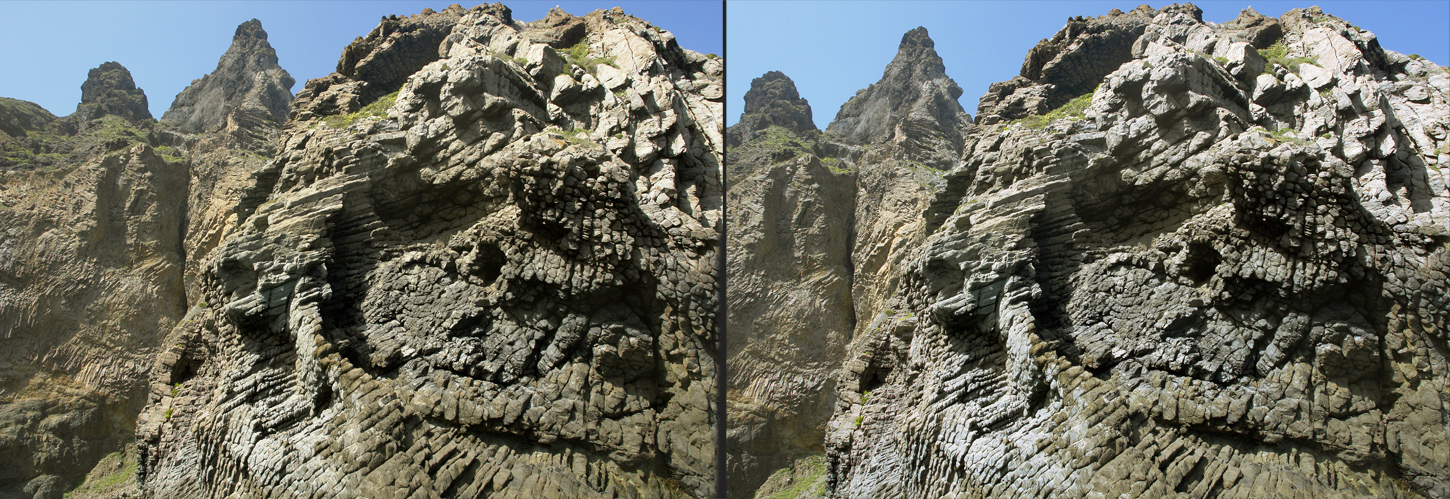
[(833, 49), (50, 46)]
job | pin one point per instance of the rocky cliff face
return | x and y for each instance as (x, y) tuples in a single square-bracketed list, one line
[(820, 223), (482, 263), (789, 274), (1218, 269), (101, 212), (247, 80)]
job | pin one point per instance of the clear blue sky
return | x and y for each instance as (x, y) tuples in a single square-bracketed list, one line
[(48, 47), (833, 49)]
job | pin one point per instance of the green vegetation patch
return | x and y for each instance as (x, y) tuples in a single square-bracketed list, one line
[(110, 481), (1278, 53), (807, 479), (1075, 109), (378, 109), (578, 55), (1289, 135), (170, 154), (578, 136), (836, 166), (777, 138)]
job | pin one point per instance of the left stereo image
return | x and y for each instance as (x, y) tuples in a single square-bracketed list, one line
[(368, 250)]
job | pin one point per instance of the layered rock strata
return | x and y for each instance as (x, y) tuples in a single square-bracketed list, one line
[(481, 264), (1226, 278)]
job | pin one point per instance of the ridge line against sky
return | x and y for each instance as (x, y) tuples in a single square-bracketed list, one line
[(844, 48), (50, 46)]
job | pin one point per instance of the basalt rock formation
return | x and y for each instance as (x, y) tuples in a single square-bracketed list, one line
[(481, 264), (102, 212), (820, 223), (1219, 270), (247, 80)]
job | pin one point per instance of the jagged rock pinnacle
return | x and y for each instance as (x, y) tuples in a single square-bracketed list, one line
[(914, 92), (246, 76), (109, 89), (773, 100)]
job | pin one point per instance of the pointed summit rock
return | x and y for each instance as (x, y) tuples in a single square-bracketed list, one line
[(913, 99), (109, 89), (773, 100), (247, 76)]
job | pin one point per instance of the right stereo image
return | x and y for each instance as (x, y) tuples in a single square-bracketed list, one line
[(977, 251)]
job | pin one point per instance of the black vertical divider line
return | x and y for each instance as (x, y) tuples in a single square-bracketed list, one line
[(720, 302)]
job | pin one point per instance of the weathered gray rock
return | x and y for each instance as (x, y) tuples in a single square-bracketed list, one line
[(1198, 288), (247, 76), (791, 218), (379, 64), (772, 101), (90, 281), (482, 286)]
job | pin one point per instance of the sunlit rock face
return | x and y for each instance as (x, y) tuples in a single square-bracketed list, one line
[(481, 264), (1225, 278)]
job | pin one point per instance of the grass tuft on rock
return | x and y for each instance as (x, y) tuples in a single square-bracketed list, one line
[(1075, 109), (1278, 53), (122, 466), (806, 479), (578, 55), (378, 109)]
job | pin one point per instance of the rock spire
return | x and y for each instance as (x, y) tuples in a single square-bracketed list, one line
[(247, 76)]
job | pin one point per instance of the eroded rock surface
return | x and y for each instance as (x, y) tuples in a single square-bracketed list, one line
[(1227, 279), (500, 282)]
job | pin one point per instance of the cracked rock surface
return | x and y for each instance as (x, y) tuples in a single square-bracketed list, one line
[(1226, 279), (499, 284)]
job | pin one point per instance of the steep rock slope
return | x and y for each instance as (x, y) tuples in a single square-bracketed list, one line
[(491, 275), (1225, 278), (819, 224), (97, 211)]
